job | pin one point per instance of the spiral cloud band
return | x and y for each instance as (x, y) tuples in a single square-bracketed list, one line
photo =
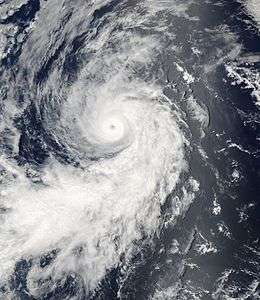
[(104, 208)]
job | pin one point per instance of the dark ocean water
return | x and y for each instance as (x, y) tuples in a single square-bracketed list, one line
[(105, 194)]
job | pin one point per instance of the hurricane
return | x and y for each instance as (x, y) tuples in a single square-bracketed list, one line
[(117, 129), (125, 154)]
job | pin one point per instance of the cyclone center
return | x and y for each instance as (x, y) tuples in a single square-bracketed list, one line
[(112, 128)]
